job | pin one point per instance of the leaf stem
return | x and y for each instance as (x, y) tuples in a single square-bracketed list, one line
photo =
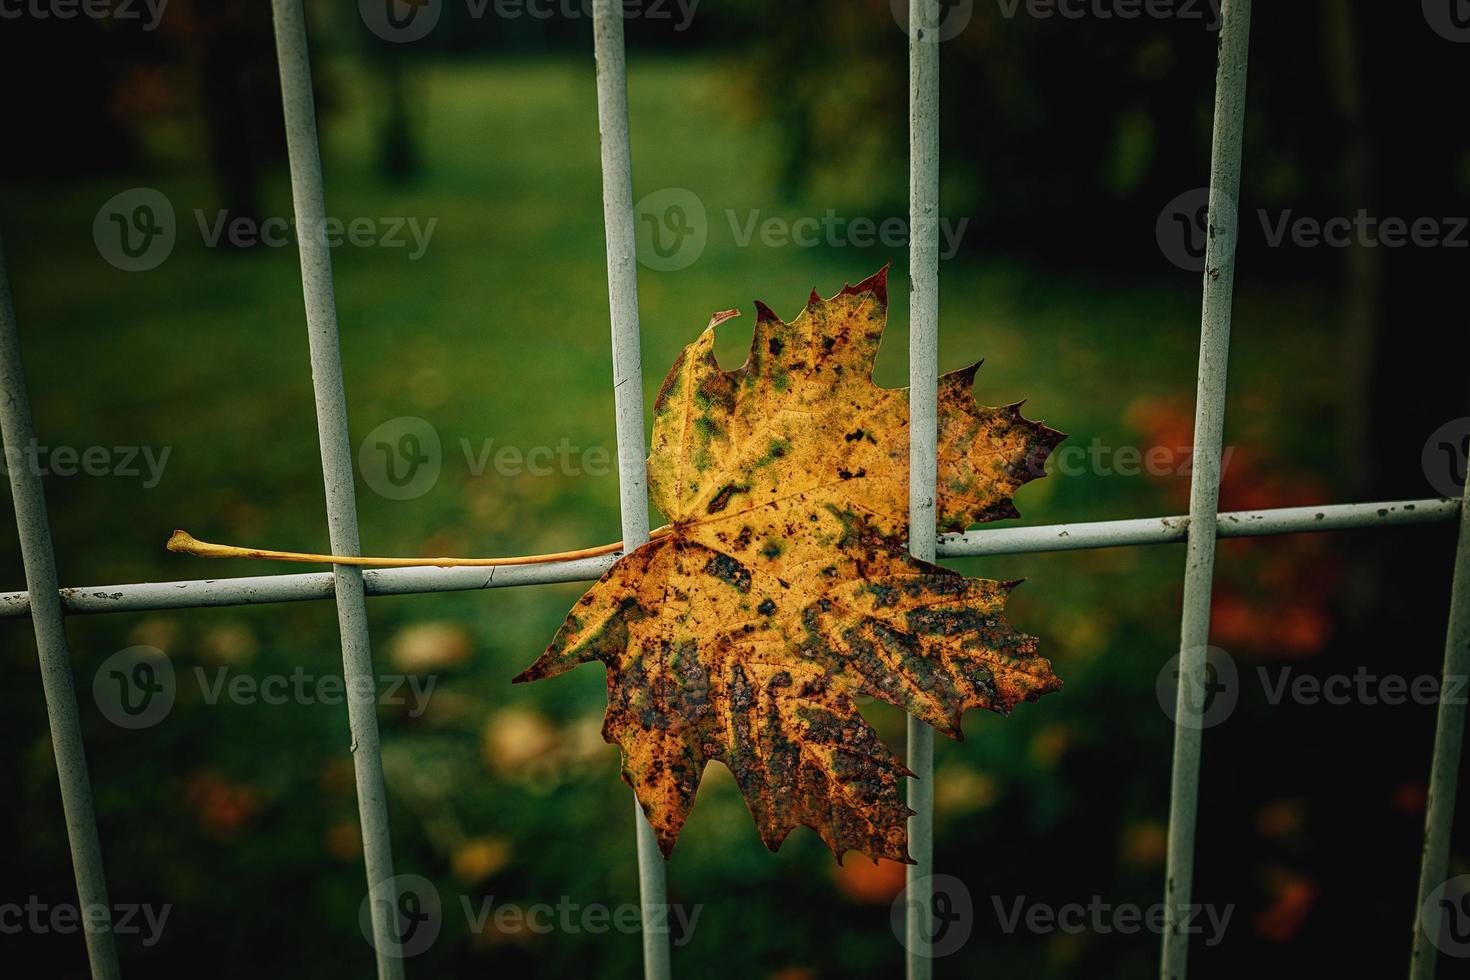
[(184, 543)]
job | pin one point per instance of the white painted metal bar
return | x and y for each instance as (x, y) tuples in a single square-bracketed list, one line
[(622, 288), (1449, 737), (1167, 530), (256, 590), (34, 530), (265, 589), (1209, 423), (308, 198), (923, 439)]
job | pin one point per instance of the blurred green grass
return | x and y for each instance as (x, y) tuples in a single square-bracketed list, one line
[(500, 331)]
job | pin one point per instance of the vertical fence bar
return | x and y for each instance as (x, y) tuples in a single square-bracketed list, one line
[(1204, 497), (1448, 741), (61, 700), (331, 417), (622, 289), (923, 436)]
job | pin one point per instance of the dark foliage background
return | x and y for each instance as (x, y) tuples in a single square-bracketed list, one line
[(1064, 140)]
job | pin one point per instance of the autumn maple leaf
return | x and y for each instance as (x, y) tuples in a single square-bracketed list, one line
[(784, 587)]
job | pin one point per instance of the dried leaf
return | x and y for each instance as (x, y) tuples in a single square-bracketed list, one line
[(785, 589)]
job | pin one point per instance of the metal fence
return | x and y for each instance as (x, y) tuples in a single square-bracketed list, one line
[(47, 604)]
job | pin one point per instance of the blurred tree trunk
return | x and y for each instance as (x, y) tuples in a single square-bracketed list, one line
[(235, 68), (398, 152), (1362, 271), (1405, 349), (1407, 373)]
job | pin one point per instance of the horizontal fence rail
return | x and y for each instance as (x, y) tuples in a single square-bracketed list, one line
[(267, 589)]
